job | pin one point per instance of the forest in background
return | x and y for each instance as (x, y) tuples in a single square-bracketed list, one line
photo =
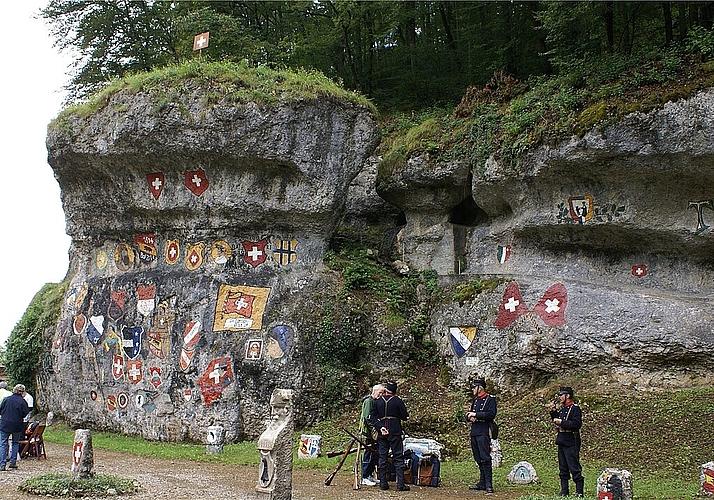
[(402, 54)]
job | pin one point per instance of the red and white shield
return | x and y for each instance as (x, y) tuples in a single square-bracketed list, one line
[(77, 453), (156, 183), (639, 271), (145, 299), (551, 307), (186, 358), (117, 367), (254, 252), (173, 252), (192, 334), (133, 371), (196, 181), (512, 306), (155, 376)]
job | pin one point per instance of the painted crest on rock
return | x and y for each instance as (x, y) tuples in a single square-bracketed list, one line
[(512, 306), (639, 271), (284, 251), (461, 338), (254, 252), (146, 246), (503, 253), (221, 251), (191, 336), (122, 401), (131, 340), (240, 307), (196, 181), (283, 337), (581, 208), (79, 324), (102, 260), (160, 331), (117, 366), (133, 371), (123, 257), (194, 256), (145, 400), (111, 402), (155, 376), (172, 252), (146, 299), (218, 376), (95, 329), (156, 181), (253, 349), (116, 305)]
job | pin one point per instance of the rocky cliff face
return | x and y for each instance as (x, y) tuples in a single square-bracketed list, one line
[(199, 229), (604, 245), (198, 232)]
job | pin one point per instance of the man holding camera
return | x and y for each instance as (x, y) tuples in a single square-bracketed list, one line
[(568, 421)]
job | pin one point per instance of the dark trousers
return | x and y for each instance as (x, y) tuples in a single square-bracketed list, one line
[(481, 449), (395, 443), (569, 463), (369, 459)]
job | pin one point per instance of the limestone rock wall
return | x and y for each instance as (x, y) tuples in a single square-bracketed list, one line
[(603, 245), (198, 231)]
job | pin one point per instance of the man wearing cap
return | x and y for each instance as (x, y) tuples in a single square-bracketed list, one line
[(481, 414), (388, 412), (13, 410), (568, 421)]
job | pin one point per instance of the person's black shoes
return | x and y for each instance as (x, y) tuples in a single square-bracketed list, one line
[(403, 487), (489, 490), (12, 466), (384, 486)]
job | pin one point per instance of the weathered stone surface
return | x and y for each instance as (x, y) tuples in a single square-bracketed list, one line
[(190, 303), (638, 268)]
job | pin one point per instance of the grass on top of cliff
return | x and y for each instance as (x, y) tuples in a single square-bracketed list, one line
[(508, 117), (228, 82)]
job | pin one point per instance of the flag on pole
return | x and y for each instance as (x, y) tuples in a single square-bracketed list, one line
[(200, 41)]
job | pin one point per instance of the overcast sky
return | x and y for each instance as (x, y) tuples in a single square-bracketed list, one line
[(35, 248)]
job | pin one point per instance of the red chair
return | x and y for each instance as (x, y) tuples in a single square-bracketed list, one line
[(33, 445)]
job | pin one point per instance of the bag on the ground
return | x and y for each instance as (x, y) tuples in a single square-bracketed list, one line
[(426, 471)]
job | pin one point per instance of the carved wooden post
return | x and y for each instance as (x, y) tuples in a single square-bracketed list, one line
[(275, 474), (82, 455)]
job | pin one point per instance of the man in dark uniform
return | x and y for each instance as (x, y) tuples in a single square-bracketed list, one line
[(388, 412), (481, 414), (13, 410), (568, 420)]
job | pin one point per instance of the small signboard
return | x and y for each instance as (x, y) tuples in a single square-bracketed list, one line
[(200, 41)]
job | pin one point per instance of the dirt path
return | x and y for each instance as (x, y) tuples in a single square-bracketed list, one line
[(183, 480)]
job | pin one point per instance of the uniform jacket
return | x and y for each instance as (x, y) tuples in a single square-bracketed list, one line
[(569, 429), (485, 409), (13, 410), (389, 411)]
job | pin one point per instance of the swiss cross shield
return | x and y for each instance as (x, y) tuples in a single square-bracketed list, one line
[(254, 252), (240, 303), (156, 183), (145, 299), (551, 307), (77, 453), (218, 376), (639, 271), (196, 181), (133, 371), (512, 306), (173, 252), (117, 367), (194, 256), (131, 340)]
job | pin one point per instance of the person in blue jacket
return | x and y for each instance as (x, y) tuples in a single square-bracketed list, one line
[(481, 414), (388, 413), (13, 411), (568, 421)]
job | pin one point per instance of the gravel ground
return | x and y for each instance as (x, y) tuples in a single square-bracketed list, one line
[(182, 480)]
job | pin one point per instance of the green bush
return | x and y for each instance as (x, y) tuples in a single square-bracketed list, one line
[(62, 485)]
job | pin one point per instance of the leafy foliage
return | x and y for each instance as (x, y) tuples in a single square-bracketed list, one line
[(24, 346), (63, 486)]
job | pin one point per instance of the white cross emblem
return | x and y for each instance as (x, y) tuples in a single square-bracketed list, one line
[(77, 453), (156, 184), (552, 305), (196, 180), (201, 42), (216, 375), (511, 304), (194, 258), (134, 373), (241, 303), (255, 253), (172, 253), (639, 270), (118, 367)]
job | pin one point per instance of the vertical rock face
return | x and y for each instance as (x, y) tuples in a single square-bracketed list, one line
[(196, 230), (602, 248)]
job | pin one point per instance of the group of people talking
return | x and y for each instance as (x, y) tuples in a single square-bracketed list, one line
[(383, 413)]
